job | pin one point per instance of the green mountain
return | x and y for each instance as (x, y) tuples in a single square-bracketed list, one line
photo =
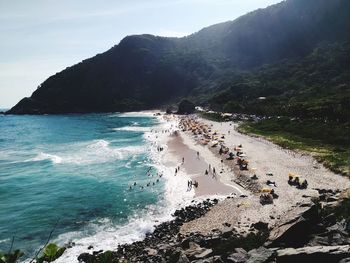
[(225, 66), (316, 86)]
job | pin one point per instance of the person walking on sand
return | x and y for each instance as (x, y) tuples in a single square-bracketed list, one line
[(189, 185), (214, 173), (198, 155)]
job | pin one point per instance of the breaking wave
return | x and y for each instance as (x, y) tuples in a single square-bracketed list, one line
[(133, 129), (98, 151), (107, 236)]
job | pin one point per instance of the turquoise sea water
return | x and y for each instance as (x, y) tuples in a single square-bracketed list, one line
[(76, 170)]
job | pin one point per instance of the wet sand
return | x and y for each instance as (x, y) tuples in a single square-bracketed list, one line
[(195, 167)]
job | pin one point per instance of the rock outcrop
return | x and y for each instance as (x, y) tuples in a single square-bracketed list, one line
[(320, 233), (313, 254)]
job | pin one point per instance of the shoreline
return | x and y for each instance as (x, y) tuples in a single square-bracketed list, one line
[(241, 208), (195, 168)]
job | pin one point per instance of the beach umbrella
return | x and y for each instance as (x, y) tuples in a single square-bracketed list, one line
[(214, 143)]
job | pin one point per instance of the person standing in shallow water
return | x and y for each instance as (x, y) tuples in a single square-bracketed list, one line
[(198, 155)]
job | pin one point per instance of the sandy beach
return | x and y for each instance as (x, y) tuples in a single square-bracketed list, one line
[(223, 219), (269, 162), (195, 166)]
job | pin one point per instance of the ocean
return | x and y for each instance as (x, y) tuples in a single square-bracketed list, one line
[(72, 174)]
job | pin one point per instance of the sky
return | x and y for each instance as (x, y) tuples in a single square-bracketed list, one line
[(39, 38)]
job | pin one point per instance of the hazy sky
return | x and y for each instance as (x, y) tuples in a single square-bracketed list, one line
[(41, 37)]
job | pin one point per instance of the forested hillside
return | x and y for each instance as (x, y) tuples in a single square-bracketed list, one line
[(294, 53), (317, 86)]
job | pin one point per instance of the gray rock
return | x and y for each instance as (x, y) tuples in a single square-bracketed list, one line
[(260, 255), (327, 254), (206, 253), (151, 251), (217, 259), (240, 256), (214, 259), (240, 250), (333, 235), (195, 251), (294, 232), (182, 258), (332, 199)]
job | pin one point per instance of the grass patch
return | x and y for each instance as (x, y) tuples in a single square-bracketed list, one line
[(327, 142)]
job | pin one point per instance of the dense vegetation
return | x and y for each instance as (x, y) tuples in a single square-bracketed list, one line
[(287, 52), (317, 86)]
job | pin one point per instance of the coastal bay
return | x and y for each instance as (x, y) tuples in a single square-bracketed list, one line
[(228, 208)]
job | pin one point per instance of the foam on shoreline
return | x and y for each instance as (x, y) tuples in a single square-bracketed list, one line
[(108, 236), (96, 151), (105, 235)]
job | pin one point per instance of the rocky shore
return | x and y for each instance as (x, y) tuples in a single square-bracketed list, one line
[(308, 225), (321, 233)]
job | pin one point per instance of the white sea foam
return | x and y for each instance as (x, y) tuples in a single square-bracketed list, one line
[(108, 236), (98, 151), (128, 164), (46, 156), (4, 240), (98, 144), (133, 129), (137, 114), (133, 114)]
